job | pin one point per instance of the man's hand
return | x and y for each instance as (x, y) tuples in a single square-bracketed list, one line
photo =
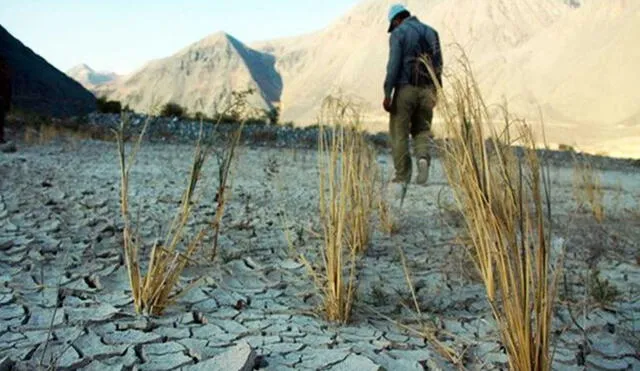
[(386, 104)]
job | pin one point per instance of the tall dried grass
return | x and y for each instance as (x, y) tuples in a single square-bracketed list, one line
[(588, 190), (504, 199), (347, 167), (161, 286)]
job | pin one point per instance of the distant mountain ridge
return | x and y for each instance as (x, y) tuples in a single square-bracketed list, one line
[(201, 78), (89, 78), (574, 61), (38, 87)]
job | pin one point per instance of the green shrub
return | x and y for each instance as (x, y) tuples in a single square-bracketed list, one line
[(272, 115), (199, 116), (566, 148), (601, 290), (172, 109), (108, 106)]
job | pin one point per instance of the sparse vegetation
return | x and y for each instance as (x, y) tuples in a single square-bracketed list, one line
[(566, 148), (587, 189), (273, 115), (505, 203), (346, 185), (601, 290), (386, 219), (172, 109), (160, 287), (108, 106)]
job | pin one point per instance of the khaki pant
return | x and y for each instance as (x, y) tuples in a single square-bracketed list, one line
[(411, 114)]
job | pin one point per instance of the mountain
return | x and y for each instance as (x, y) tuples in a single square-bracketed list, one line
[(90, 78), (38, 86), (202, 76), (350, 55), (574, 61), (581, 74)]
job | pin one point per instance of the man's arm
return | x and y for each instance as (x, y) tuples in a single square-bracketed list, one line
[(394, 65)]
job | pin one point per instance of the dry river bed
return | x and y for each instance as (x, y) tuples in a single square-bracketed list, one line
[(65, 300)]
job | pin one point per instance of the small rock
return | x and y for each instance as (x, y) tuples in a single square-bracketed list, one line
[(611, 347), (93, 347), (290, 264), (197, 348), (239, 358), (11, 337), (99, 366), (607, 364), (131, 337), (206, 306), (6, 245), (51, 226), (143, 324), (173, 333), (9, 227), (194, 296), (159, 349), (316, 340), (412, 355), (45, 318), (283, 348), (356, 362), (91, 314), (125, 361), (6, 364), (166, 362), (63, 355), (116, 299), (8, 147), (231, 327), (321, 358), (207, 331)]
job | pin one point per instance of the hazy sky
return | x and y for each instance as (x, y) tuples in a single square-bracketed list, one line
[(120, 36)]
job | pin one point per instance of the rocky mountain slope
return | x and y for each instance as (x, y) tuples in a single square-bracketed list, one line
[(89, 78), (38, 87), (574, 62), (350, 55), (202, 76)]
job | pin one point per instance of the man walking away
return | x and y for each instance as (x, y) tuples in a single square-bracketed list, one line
[(410, 92), (5, 95)]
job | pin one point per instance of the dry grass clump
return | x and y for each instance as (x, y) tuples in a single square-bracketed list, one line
[(588, 190), (387, 221), (347, 178), (504, 200), (161, 286)]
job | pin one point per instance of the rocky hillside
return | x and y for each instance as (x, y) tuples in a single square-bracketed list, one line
[(89, 78), (350, 55), (39, 87), (202, 76), (573, 61)]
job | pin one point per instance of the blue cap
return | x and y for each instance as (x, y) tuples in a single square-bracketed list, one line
[(393, 12)]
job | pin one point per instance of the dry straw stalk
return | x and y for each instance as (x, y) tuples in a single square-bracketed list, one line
[(504, 198)]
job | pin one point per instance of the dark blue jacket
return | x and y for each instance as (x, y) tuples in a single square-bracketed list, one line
[(404, 44)]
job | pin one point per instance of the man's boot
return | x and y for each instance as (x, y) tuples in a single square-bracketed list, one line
[(423, 171)]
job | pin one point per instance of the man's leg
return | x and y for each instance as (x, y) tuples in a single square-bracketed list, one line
[(399, 129), (421, 132)]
